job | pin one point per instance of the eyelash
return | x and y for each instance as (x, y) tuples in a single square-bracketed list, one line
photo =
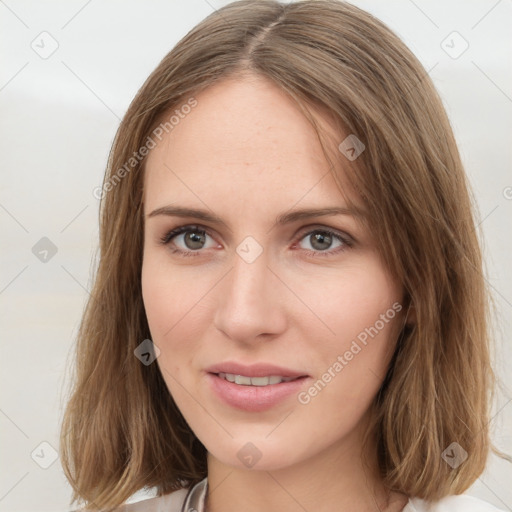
[(345, 240)]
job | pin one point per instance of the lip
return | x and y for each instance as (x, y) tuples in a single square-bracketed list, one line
[(253, 398), (254, 370)]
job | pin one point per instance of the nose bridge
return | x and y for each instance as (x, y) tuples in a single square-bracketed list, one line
[(249, 302), (249, 277)]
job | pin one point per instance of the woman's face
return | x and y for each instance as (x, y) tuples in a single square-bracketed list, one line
[(253, 287)]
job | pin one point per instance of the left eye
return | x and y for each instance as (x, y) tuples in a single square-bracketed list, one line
[(319, 240)]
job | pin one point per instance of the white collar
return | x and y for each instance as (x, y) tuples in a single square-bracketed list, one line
[(196, 497)]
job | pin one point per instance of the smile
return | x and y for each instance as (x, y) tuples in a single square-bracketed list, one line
[(254, 394), (254, 381)]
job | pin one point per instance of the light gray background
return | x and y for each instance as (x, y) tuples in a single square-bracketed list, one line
[(59, 116)]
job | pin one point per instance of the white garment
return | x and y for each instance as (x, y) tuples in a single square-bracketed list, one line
[(193, 501)]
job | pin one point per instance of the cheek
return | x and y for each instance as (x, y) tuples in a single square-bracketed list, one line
[(157, 294), (169, 294), (175, 305), (361, 310), (172, 304), (350, 371), (351, 300), (163, 311)]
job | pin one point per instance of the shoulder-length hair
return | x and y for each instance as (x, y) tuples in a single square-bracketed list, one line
[(122, 430)]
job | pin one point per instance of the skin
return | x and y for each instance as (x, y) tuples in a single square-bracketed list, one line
[(246, 154)]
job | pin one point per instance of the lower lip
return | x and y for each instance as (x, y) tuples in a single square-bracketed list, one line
[(254, 398)]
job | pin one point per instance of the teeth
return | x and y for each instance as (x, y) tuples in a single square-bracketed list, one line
[(240, 379), (254, 381)]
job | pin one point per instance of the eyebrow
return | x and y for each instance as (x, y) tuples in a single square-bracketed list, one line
[(284, 218)]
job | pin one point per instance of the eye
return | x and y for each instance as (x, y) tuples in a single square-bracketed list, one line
[(323, 240), (188, 239)]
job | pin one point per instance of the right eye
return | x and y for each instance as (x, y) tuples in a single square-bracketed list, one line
[(189, 240)]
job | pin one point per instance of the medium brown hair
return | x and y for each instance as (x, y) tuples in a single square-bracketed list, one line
[(122, 430)]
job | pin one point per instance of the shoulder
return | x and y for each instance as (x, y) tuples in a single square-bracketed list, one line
[(172, 502), (188, 499), (455, 503)]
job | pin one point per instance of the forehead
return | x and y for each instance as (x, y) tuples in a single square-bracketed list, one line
[(245, 142)]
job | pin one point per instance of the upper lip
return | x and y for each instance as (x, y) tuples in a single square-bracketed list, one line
[(254, 370)]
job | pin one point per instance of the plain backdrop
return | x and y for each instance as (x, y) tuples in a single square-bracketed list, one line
[(69, 71)]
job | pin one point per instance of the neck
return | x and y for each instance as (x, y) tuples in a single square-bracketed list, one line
[(335, 479)]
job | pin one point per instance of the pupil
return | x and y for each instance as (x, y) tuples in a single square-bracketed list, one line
[(321, 238), (194, 240)]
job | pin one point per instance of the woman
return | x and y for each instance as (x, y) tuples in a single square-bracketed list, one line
[(289, 311)]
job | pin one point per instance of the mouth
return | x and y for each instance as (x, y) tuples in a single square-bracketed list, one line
[(244, 380), (254, 394)]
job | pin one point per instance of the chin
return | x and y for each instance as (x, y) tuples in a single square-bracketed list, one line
[(256, 455)]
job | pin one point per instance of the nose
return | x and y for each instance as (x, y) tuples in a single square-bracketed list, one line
[(250, 304)]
